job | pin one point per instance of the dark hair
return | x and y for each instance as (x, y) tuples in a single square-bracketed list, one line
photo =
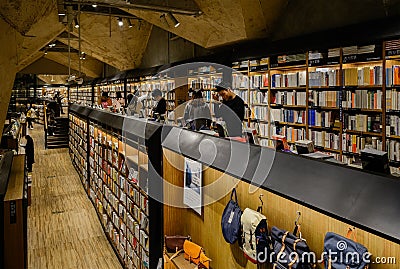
[(119, 94), (104, 94), (223, 86), (129, 98), (197, 94), (156, 92)]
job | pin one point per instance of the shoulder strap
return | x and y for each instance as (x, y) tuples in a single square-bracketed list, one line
[(234, 193)]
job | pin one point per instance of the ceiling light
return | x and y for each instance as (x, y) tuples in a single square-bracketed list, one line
[(76, 23), (61, 14), (94, 5), (175, 21), (45, 52), (130, 23), (120, 22)]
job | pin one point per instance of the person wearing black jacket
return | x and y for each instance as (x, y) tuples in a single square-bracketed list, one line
[(232, 109), (161, 108), (30, 152)]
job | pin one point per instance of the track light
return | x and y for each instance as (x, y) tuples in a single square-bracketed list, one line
[(76, 23), (120, 22), (45, 52), (173, 19), (130, 23)]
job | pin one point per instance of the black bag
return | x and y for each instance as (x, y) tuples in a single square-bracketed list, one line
[(230, 221), (291, 251), (344, 253)]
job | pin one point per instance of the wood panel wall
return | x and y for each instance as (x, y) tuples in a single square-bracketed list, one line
[(206, 229)]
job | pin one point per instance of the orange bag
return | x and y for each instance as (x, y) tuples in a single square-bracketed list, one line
[(194, 253)]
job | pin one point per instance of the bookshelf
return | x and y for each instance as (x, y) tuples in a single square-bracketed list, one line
[(117, 180), (85, 95), (344, 99), (115, 90)]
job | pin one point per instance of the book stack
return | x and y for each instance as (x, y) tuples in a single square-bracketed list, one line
[(325, 139), (393, 125), (325, 98), (320, 118), (315, 55), (362, 99), (393, 75), (255, 81), (333, 53), (289, 116), (362, 123), (260, 113), (240, 81), (297, 79), (352, 50), (257, 97), (324, 77), (289, 98), (355, 143), (363, 76), (291, 134), (393, 149)]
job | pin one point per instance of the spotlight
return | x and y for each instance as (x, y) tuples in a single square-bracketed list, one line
[(61, 14), (175, 21), (120, 22), (45, 52), (76, 23), (130, 23), (94, 5)]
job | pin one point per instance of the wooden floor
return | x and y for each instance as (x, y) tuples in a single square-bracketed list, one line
[(63, 228)]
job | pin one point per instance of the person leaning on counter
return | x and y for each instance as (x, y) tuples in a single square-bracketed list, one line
[(231, 110), (161, 108)]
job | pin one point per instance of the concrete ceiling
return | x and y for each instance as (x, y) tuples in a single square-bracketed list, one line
[(121, 47), (36, 23), (53, 79)]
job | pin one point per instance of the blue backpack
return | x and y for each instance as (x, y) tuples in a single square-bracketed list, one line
[(231, 220)]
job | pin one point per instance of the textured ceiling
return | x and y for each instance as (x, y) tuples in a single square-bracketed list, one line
[(53, 79), (122, 47), (36, 23), (222, 21)]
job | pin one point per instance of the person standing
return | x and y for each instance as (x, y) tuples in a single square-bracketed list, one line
[(30, 152), (30, 114), (161, 108), (232, 109), (197, 112)]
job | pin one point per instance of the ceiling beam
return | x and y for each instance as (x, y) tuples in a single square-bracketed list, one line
[(142, 5)]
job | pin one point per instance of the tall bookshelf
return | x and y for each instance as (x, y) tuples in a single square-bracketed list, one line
[(343, 99), (114, 89), (120, 173), (85, 94)]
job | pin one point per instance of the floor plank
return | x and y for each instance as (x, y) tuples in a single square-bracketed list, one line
[(63, 228)]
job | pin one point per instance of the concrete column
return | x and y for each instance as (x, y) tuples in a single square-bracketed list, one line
[(8, 59)]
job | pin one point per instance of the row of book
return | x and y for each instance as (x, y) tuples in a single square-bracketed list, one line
[(292, 134), (324, 77), (362, 76), (240, 81), (288, 115), (325, 139), (260, 112), (362, 123), (257, 97), (289, 98), (393, 149), (362, 99), (393, 125), (392, 99), (355, 143), (262, 128), (242, 94), (112, 88), (205, 82), (297, 79), (321, 118), (325, 98), (393, 75), (259, 81)]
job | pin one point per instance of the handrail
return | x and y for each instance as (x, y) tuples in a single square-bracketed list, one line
[(45, 124)]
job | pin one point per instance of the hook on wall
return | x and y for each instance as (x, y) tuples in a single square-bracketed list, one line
[(259, 209)]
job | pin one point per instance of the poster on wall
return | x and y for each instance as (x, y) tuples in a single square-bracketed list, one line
[(192, 195)]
